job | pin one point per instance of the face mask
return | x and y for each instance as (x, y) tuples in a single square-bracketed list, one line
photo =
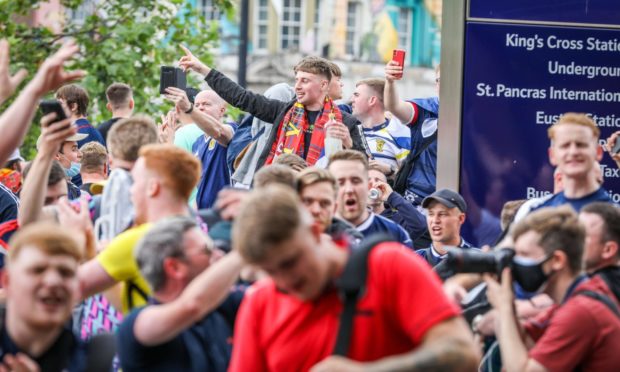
[(528, 273), (73, 171)]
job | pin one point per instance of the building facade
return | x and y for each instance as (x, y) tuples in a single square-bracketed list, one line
[(359, 35)]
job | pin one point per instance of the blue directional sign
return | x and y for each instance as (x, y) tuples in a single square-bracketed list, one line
[(518, 79), (600, 12)]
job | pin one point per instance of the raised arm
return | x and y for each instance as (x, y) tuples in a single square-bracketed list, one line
[(35, 185), (160, 323), (214, 128), (8, 83), (15, 121), (399, 108), (508, 330), (256, 104)]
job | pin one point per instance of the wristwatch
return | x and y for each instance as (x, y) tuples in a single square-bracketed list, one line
[(191, 108)]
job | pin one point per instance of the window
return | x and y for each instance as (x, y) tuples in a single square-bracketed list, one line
[(291, 24), (317, 26), (82, 11), (208, 10), (352, 41), (262, 22), (404, 28)]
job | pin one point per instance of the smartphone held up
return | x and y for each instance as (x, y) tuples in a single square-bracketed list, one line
[(171, 77), (48, 106), (398, 56)]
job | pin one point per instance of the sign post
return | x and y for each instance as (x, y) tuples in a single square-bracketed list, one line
[(526, 63)]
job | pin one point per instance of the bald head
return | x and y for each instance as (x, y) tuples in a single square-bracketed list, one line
[(209, 102)]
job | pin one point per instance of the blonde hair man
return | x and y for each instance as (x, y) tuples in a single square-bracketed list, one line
[(575, 152), (42, 288)]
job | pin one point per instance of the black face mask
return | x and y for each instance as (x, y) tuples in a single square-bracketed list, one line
[(529, 273)]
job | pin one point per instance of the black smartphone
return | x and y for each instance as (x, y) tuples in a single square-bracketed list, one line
[(48, 106), (171, 77), (616, 148)]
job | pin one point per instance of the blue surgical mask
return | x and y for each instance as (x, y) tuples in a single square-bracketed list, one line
[(73, 171)]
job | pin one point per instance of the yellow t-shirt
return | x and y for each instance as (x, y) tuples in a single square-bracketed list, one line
[(117, 259)]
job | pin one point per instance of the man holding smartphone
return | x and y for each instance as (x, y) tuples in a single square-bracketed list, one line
[(420, 115), (302, 124), (211, 147)]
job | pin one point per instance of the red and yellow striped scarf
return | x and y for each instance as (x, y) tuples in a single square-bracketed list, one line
[(292, 129)]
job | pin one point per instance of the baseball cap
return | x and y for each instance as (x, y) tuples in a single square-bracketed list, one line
[(74, 138), (446, 197)]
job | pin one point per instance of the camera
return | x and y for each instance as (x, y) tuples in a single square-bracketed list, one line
[(476, 261)]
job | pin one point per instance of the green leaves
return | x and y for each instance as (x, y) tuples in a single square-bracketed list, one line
[(121, 41)]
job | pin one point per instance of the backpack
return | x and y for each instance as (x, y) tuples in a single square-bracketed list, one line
[(351, 287)]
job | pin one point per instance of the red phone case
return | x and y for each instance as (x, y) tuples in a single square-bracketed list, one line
[(399, 56)]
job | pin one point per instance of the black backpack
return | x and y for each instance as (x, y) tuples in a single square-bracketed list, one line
[(352, 286)]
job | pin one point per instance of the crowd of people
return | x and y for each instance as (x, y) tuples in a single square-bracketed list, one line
[(308, 235)]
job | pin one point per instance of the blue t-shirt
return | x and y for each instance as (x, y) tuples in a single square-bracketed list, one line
[(84, 126), (433, 257), (204, 347), (422, 179), (67, 353), (215, 173), (559, 199), (376, 224)]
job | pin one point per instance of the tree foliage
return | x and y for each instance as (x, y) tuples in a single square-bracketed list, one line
[(121, 41)]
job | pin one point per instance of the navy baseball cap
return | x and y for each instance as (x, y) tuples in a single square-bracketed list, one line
[(446, 197)]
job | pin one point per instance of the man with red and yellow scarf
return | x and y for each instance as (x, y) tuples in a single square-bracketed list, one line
[(300, 125)]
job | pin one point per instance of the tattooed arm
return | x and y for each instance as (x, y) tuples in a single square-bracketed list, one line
[(448, 346)]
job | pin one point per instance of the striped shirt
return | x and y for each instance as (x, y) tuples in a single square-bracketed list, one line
[(389, 142)]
